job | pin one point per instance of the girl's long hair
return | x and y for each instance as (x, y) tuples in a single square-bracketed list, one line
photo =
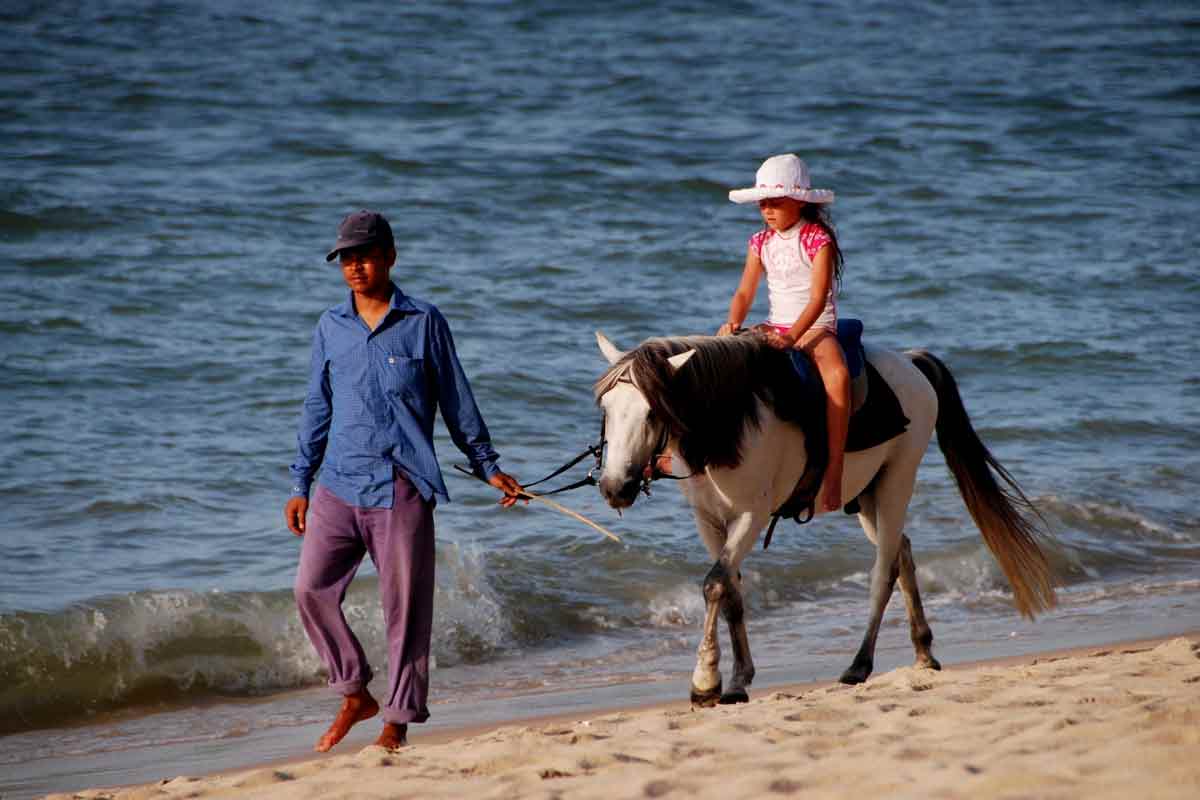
[(818, 214)]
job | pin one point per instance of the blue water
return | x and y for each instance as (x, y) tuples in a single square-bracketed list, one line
[(1017, 191)]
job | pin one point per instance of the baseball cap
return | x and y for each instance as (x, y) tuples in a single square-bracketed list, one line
[(359, 228)]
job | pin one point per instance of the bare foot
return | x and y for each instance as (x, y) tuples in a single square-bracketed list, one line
[(355, 708), (394, 736), (831, 491)]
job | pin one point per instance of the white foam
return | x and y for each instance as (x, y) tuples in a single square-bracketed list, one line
[(680, 605)]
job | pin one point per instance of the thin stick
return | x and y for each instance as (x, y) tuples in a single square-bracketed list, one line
[(551, 503), (571, 513)]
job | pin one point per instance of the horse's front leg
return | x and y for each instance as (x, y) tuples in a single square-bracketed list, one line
[(723, 592), (706, 677), (743, 665), (743, 533)]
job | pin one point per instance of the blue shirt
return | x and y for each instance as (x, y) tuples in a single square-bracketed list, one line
[(371, 401)]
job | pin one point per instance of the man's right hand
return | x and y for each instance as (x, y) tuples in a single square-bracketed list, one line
[(294, 512)]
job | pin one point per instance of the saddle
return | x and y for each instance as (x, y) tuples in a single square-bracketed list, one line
[(876, 416)]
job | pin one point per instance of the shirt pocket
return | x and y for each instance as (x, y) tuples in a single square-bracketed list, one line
[(402, 376)]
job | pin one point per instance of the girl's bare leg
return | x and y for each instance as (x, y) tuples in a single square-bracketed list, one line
[(827, 354)]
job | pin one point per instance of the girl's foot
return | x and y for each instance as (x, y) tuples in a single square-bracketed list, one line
[(660, 466), (831, 491)]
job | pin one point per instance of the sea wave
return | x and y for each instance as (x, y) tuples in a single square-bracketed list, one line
[(161, 648)]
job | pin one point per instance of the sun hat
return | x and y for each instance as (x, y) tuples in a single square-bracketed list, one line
[(782, 176), (359, 228)]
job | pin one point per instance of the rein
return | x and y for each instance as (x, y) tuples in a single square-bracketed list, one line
[(650, 472), (594, 450)]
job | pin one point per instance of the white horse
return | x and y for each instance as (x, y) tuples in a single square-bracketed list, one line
[(713, 406)]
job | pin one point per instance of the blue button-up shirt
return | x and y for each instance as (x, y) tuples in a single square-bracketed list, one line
[(372, 397)]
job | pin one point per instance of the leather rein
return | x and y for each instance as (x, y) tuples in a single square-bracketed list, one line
[(650, 472)]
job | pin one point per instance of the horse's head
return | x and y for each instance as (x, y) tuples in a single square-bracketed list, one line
[(633, 437)]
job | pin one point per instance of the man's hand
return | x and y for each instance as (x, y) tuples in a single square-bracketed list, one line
[(725, 330), (294, 513), (507, 484)]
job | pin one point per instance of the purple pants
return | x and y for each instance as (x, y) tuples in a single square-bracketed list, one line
[(400, 542)]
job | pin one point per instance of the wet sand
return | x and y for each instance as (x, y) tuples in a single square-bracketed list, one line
[(1117, 721)]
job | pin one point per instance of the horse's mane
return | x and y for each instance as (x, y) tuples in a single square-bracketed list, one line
[(707, 403)]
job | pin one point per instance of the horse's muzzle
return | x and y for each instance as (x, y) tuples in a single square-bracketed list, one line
[(620, 492)]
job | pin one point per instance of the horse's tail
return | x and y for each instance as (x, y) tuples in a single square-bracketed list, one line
[(1003, 514)]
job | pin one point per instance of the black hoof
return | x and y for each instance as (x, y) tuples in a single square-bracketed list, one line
[(706, 699), (855, 675), (931, 663), (735, 696)]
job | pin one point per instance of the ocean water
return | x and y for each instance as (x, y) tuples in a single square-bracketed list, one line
[(1017, 191)]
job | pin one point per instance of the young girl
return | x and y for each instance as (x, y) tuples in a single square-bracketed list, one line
[(798, 251)]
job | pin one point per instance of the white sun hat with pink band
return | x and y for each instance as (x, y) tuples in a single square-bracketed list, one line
[(782, 176)]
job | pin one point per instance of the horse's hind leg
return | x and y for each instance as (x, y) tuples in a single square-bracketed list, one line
[(922, 636), (882, 527)]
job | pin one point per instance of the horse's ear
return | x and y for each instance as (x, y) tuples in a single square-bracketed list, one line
[(677, 361), (609, 349)]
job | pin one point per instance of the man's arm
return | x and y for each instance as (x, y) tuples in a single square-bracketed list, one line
[(312, 436), (463, 420), (459, 410)]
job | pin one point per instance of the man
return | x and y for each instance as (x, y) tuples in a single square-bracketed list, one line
[(382, 363)]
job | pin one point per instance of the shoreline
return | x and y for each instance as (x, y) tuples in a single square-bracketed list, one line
[(644, 702)]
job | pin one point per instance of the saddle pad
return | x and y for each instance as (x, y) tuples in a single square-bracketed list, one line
[(880, 418), (849, 334)]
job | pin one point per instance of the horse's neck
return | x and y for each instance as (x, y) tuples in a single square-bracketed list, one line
[(773, 458)]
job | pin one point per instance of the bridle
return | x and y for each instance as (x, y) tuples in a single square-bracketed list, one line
[(650, 472)]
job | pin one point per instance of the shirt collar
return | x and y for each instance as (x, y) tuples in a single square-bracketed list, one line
[(400, 302), (791, 232)]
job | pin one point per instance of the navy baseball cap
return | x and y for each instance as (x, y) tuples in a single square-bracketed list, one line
[(359, 228)]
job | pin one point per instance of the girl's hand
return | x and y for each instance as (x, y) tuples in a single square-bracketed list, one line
[(781, 341), (725, 330)]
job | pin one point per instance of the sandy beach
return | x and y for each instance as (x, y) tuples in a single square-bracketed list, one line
[(1112, 722)]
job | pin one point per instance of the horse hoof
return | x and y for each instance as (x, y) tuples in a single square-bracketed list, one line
[(930, 663), (706, 698), (735, 696), (854, 676)]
